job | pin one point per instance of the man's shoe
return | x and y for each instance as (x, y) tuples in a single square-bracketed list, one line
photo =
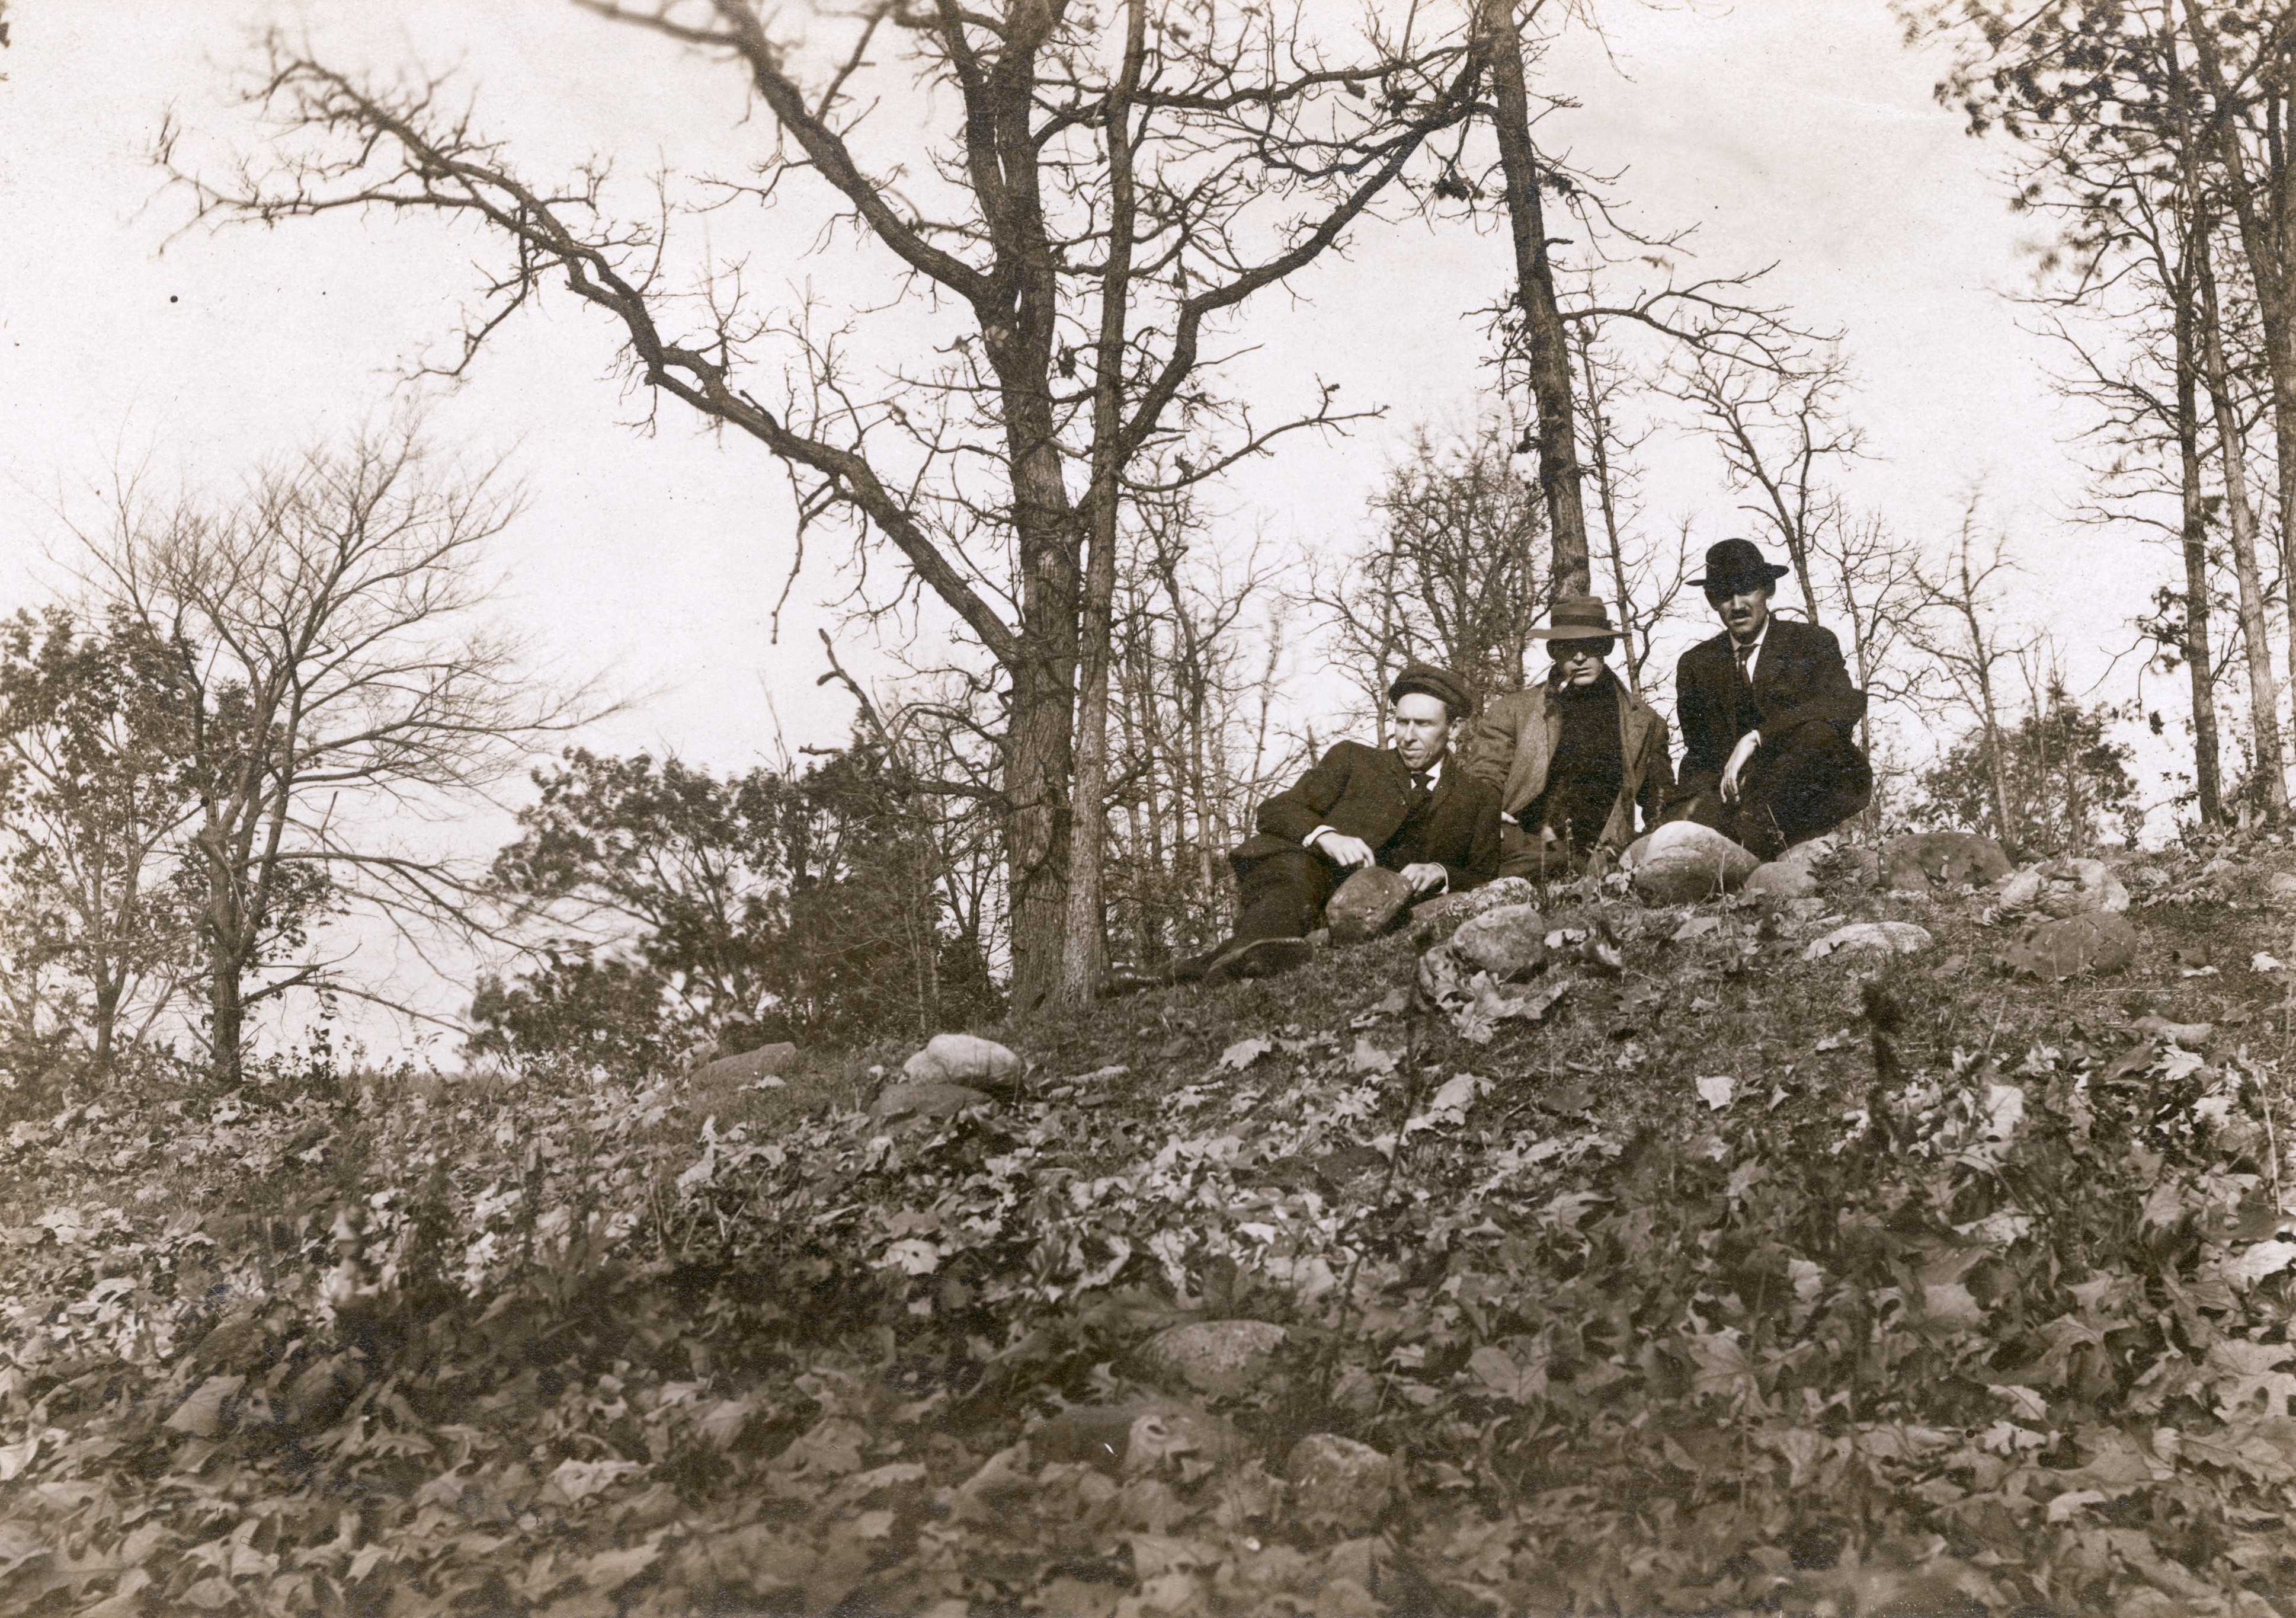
[(1258, 957)]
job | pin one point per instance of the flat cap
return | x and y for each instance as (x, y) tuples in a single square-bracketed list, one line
[(1440, 683)]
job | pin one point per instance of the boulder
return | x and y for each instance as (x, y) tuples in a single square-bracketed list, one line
[(1440, 917), (1366, 905), (898, 1101), (1811, 852), (1681, 861), (1915, 863), (1861, 867), (2100, 941), (2061, 888), (962, 1059), (766, 1061), (1342, 1482), (2280, 888), (1877, 938), (1507, 943), (1780, 879), (1227, 1359)]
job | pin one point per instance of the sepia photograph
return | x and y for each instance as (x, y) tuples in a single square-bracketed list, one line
[(1137, 808)]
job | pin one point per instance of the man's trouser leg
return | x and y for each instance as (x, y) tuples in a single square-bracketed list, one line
[(1532, 858), (1807, 780), (1281, 895)]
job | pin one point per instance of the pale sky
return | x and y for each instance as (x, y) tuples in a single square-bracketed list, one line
[(1795, 131)]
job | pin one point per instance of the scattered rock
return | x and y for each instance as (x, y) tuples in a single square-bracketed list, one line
[(2147, 877), (1780, 879), (897, 1101), (1340, 1481), (1811, 852), (2280, 888), (2061, 888), (1366, 905), (2191, 1036), (962, 1059), (2101, 940), (1914, 864), (1438, 918), (1226, 1359), (1135, 1435), (1860, 866), (1681, 861), (1883, 938), (1507, 943), (766, 1061)]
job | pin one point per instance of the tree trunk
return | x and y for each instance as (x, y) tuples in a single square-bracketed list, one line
[(1083, 943), (1545, 342), (2263, 690), (2199, 663)]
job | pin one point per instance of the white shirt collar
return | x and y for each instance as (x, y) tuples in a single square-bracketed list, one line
[(1754, 655)]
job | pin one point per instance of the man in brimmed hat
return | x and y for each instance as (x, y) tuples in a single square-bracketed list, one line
[(1572, 756), (1408, 807), (1767, 716)]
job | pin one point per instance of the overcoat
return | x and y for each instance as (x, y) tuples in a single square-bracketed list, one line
[(1799, 679), (1516, 737), (1365, 792)]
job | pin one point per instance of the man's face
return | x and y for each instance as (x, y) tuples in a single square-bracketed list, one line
[(1422, 729), (1744, 611), (1579, 662)]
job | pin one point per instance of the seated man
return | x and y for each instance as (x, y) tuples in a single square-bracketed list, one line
[(1768, 712), (1409, 808), (1572, 756)]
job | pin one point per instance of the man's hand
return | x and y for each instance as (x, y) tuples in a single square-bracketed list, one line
[(1739, 754), (1351, 853), (1425, 877)]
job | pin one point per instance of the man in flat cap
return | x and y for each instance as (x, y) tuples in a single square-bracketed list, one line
[(1767, 714), (1573, 755), (1409, 808)]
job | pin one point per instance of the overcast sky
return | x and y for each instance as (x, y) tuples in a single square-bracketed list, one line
[(1799, 132)]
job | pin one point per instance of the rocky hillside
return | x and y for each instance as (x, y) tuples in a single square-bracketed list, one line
[(1834, 1249)]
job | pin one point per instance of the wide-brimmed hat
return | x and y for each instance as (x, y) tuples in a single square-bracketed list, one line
[(1733, 562), (1578, 617), (1426, 679)]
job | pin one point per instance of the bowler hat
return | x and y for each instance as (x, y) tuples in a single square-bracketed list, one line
[(1441, 683), (1733, 564), (1578, 617)]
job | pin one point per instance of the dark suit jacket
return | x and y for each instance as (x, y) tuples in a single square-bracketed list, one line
[(1799, 679), (1365, 792)]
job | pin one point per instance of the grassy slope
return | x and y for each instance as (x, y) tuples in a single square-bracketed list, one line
[(1852, 1342)]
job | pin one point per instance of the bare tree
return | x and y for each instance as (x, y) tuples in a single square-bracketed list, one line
[(1076, 200), (333, 679), (1781, 432), (1646, 579), (1958, 627), (1452, 575)]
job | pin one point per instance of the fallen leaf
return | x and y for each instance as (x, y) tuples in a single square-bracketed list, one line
[(1718, 1092), (2261, 1259), (1244, 1053), (1369, 1058), (2263, 962)]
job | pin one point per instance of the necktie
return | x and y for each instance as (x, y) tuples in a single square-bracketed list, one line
[(1745, 665), (1422, 785)]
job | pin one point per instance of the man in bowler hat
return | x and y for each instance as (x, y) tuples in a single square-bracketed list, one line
[(1409, 808), (1572, 756), (1768, 713)]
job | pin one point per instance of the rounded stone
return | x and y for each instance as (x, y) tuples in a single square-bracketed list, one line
[(1226, 1359), (1506, 942), (1340, 1481), (1438, 918), (925, 1100), (1683, 861), (961, 1059), (1780, 879), (1912, 863), (1366, 905)]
